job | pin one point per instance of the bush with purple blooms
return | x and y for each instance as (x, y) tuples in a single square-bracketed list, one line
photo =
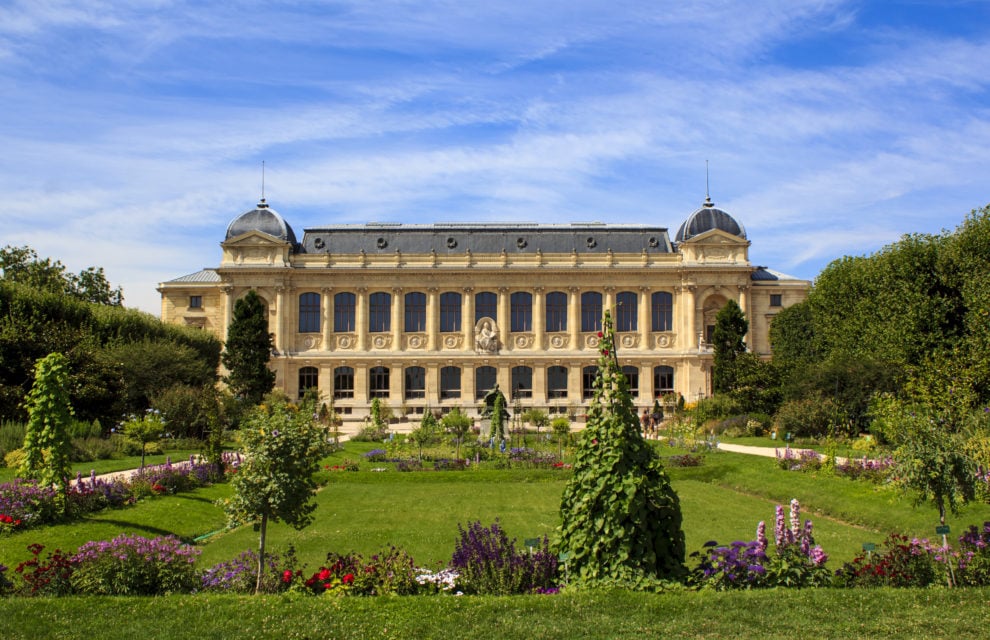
[(877, 471), (240, 575), (487, 563), (376, 455), (448, 464), (132, 565), (795, 562), (527, 457)]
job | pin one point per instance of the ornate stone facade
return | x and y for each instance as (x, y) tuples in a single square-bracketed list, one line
[(435, 315)]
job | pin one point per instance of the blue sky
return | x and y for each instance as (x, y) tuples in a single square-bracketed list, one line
[(133, 132)]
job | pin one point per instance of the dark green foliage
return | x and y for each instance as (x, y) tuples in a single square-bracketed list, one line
[(22, 265), (757, 384), (730, 329), (47, 445), (620, 517), (248, 350)]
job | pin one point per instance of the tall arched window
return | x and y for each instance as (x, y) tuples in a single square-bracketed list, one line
[(591, 311), (343, 382), (380, 312), (378, 381), (485, 306), (343, 312), (450, 382), (522, 382), (556, 311), (588, 377), (450, 312), (415, 382), (309, 378), (556, 382), (415, 311), (521, 311), (626, 313), (309, 313), (663, 311), (632, 377), (484, 381), (663, 380)]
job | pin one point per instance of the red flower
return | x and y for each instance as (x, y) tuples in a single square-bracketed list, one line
[(287, 576), (349, 578), (323, 575), (601, 335), (604, 352)]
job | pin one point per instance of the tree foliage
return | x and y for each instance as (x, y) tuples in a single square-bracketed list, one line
[(620, 517), (248, 350), (730, 329), (22, 265), (282, 447), (47, 444), (458, 425)]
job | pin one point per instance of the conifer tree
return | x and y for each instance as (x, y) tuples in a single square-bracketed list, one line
[(727, 337), (248, 350), (620, 518)]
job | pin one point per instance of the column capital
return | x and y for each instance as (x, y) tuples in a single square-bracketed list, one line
[(326, 290)]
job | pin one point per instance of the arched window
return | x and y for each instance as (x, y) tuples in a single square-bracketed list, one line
[(556, 311), (309, 378), (663, 311), (663, 380), (625, 311), (415, 382), (556, 382), (378, 382), (484, 381), (380, 312), (343, 382), (309, 313), (415, 311), (450, 312), (588, 377), (343, 312), (485, 306), (632, 377), (591, 311), (521, 311), (450, 382), (522, 382)]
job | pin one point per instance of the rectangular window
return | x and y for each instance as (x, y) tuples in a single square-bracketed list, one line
[(626, 314), (380, 312), (415, 312), (775, 300), (485, 306), (521, 311), (309, 313), (663, 311), (591, 311), (556, 311), (450, 312), (343, 312), (450, 382), (195, 302)]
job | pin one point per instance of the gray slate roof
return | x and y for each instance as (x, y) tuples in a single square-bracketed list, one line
[(201, 276), (763, 274), (456, 238)]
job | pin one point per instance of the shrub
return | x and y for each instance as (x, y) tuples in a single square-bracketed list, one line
[(376, 455), (132, 565), (903, 562), (391, 572), (798, 459), (240, 575), (371, 433), (48, 577), (408, 465), (717, 407), (974, 556), (92, 448), (487, 563), (810, 417), (685, 460), (447, 464)]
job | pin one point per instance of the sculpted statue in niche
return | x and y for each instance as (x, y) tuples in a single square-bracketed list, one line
[(486, 336)]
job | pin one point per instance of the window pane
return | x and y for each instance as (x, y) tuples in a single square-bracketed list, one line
[(343, 382), (484, 381), (521, 310), (380, 312), (522, 382), (450, 382), (588, 377), (556, 311), (625, 311), (415, 382), (663, 311), (415, 311), (591, 311), (343, 312), (556, 382), (663, 380), (632, 377), (309, 313), (485, 306), (378, 382), (450, 312), (308, 379)]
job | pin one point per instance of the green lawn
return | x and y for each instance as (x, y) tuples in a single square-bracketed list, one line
[(113, 465)]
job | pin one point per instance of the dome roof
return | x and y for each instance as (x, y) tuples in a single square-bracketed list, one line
[(706, 218), (264, 219)]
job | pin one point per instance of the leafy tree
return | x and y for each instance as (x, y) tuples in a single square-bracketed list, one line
[(499, 415), (150, 367), (730, 329), (458, 425), (47, 445), (426, 433), (536, 417), (757, 384), (620, 517), (561, 428), (22, 265), (282, 449), (248, 350), (144, 430)]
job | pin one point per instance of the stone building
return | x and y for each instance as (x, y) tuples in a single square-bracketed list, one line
[(436, 315)]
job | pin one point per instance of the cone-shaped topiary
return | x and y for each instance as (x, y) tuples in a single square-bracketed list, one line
[(621, 520)]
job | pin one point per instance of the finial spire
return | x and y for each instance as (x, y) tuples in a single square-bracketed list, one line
[(708, 197), (262, 204)]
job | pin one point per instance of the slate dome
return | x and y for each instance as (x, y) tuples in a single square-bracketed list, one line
[(705, 219), (264, 219)]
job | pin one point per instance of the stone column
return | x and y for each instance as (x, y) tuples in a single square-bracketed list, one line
[(228, 308), (608, 302), (433, 384), (744, 305), (574, 318), (325, 383), (539, 384), (396, 384), (467, 385), (645, 319), (646, 384), (280, 331), (432, 319), (539, 319), (690, 339), (574, 384), (503, 319), (467, 320), (361, 325), (398, 319), (361, 385), (326, 308)]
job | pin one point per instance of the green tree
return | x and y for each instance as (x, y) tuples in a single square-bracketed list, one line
[(536, 417), (561, 428), (620, 517), (47, 445), (248, 350), (426, 433), (499, 416), (730, 329), (148, 428), (22, 265), (282, 448), (458, 425)]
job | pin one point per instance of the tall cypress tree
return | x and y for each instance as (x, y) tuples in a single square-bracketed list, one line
[(248, 350), (730, 329), (620, 518)]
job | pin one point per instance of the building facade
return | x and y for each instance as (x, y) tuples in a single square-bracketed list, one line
[(436, 315)]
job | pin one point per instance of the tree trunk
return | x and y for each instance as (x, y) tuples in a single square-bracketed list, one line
[(261, 552)]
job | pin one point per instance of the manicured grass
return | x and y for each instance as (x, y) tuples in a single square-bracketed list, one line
[(610, 614), (115, 464)]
